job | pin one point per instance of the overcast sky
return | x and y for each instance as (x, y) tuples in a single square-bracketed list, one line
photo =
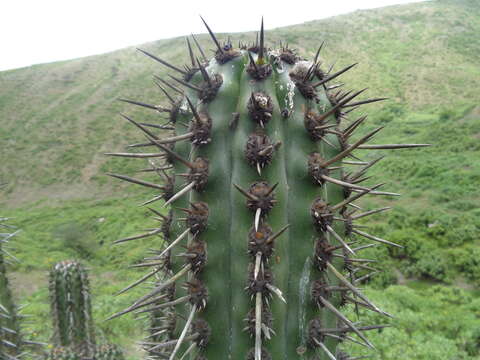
[(39, 31)]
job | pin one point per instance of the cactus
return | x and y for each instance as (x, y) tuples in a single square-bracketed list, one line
[(108, 352), (71, 309), (263, 181), (63, 353), (11, 339), (73, 329)]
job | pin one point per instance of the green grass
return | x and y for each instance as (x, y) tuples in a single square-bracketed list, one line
[(80, 229), (431, 323), (58, 119)]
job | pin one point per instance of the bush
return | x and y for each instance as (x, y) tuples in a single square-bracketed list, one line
[(76, 237)]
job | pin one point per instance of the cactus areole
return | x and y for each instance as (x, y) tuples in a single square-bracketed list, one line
[(263, 171)]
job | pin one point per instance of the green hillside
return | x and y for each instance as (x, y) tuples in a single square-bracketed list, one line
[(57, 120)]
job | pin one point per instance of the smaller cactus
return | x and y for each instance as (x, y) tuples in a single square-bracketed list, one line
[(71, 308), (63, 353), (11, 342), (108, 352), (73, 329)]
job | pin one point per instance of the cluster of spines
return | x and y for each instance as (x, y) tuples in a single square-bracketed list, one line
[(63, 353), (161, 321), (260, 136), (326, 140), (324, 114), (12, 341), (71, 311), (108, 352), (102, 352), (161, 302), (323, 122)]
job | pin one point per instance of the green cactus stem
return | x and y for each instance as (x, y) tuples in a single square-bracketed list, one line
[(63, 353), (261, 248), (108, 352), (71, 308), (11, 339)]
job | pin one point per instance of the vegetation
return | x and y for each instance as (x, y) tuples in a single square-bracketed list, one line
[(423, 56)]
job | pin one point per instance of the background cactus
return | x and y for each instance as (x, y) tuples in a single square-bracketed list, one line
[(266, 212), (63, 353), (11, 340), (71, 308), (71, 311), (108, 352)]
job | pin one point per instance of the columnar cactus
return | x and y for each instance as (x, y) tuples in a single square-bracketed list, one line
[(63, 353), (261, 244), (71, 308), (11, 340), (108, 352)]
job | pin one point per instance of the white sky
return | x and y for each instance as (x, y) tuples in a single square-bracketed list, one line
[(38, 31)]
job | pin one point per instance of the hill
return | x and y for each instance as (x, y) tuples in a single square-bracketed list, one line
[(58, 119)]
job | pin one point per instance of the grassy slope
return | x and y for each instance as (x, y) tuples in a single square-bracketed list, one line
[(423, 56), (57, 119)]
